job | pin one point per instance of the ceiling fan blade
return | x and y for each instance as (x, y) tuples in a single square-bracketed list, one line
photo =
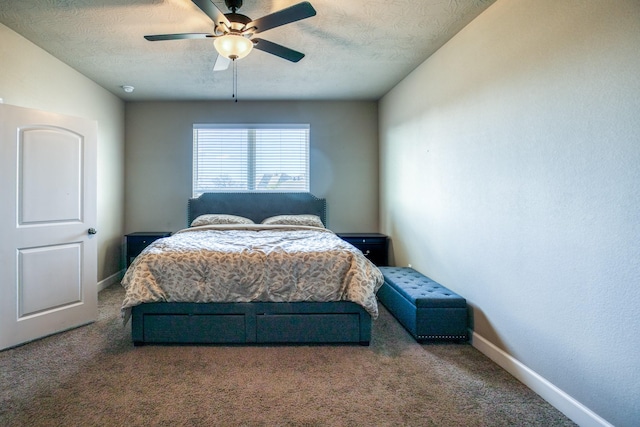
[(222, 63), (277, 50), (212, 12), (285, 16), (160, 37)]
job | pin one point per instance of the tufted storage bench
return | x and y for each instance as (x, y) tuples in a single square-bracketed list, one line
[(425, 308)]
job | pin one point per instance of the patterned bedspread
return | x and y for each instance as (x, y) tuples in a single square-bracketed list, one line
[(245, 263)]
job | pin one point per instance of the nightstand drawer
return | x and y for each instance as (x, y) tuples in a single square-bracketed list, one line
[(136, 242), (374, 246)]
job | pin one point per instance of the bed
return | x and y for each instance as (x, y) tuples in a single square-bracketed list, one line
[(290, 303)]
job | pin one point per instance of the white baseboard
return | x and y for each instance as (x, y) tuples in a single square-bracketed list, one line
[(566, 404), (114, 278)]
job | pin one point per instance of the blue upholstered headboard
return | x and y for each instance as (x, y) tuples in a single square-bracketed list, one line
[(257, 206)]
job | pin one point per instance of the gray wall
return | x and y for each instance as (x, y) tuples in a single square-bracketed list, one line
[(343, 164), (32, 78), (510, 172)]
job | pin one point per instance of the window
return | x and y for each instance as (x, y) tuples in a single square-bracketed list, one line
[(250, 158)]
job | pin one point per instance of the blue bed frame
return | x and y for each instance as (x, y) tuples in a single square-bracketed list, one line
[(252, 322)]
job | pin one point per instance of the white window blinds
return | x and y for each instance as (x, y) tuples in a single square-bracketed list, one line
[(250, 158)]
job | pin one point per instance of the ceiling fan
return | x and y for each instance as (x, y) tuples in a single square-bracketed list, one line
[(233, 31)]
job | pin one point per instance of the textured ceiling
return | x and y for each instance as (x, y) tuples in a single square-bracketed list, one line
[(355, 49)]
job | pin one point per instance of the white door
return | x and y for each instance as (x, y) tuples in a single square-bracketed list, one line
[(48, 258)]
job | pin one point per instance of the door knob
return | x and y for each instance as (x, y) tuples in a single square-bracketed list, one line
[(92, 231)]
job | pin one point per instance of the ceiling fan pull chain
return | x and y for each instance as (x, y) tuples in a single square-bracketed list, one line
[(235, 80)]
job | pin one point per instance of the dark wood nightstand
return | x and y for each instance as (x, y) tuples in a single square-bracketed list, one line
[(374, 246), (136, 242)]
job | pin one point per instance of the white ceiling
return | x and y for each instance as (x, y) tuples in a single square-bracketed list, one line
[(355, 49)]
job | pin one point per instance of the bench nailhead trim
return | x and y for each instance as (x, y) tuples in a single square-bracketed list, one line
[(442, 337)]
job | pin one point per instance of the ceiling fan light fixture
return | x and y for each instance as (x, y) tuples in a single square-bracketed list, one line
[(233, 46)]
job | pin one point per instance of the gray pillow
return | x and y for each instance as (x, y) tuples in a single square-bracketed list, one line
[(305, 219), (215, 219)]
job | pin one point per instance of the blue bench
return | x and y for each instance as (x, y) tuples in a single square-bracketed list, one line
[(428, 310)]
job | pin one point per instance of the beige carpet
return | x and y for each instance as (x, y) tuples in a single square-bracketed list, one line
[(93, 376)]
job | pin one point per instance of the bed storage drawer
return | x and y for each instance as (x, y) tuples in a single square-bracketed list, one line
[(226, 328), (190, 323), (257, 322), (309, 328)]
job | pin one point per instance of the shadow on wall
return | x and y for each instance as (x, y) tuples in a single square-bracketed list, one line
[(391, 255), (477, 317)]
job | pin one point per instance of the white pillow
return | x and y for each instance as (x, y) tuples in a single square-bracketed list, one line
[(214, 219), (306, 219)]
